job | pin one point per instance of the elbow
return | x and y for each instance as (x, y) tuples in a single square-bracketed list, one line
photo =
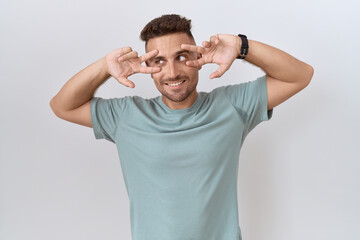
[(54, 109), (309, 74), (306, 77), (52, 105)]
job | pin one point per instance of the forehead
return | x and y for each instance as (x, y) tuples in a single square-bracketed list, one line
[(169, 43)]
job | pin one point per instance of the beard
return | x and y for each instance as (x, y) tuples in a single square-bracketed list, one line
[(178, 95)]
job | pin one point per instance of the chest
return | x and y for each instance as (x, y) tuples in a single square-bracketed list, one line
[(181, 141)]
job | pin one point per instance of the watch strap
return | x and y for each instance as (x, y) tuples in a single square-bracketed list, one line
[(244, 46)]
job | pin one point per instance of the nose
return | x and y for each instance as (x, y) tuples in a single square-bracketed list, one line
[(173, 70)]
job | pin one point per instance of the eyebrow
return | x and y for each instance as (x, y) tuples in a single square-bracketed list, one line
[(156, 58), (176, 54), (182, 51)]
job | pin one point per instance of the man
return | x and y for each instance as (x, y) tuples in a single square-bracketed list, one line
[(179, 151)]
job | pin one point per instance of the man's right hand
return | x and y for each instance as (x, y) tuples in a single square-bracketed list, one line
[(124, 62)]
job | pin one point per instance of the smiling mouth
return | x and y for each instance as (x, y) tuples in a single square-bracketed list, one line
[(175, 84)]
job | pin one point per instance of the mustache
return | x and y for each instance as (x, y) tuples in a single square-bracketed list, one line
[(176, 79)]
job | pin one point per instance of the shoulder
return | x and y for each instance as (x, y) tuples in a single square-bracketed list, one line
[(238, 88), (126, 102), (117, 103)]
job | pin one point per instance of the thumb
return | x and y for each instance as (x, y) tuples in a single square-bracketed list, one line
[(219, 72), (126, 82)]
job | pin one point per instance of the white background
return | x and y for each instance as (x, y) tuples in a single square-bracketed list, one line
[(298, 174)]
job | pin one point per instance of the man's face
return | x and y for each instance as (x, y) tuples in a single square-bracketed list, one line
[(176, 81)]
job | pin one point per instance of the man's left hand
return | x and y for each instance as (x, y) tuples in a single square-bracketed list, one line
[(222, 49)]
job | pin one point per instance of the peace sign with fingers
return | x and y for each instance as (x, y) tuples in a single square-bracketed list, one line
[(222, 49), (124, 62)]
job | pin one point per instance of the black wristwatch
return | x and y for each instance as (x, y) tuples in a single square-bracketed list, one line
[(244, 47)]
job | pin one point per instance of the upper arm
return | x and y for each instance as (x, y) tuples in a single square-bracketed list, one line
[(80, 115), (279, 91)]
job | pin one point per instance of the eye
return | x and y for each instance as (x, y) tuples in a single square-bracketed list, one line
[(182, 58), (158, 61)]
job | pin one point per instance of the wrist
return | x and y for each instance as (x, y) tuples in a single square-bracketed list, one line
[(238, 45), (104, 66)]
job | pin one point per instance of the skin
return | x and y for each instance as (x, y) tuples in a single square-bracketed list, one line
[(172, 61), (167, 62), (285, 75)]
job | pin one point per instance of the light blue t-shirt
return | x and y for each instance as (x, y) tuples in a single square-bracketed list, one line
[(180, 167)]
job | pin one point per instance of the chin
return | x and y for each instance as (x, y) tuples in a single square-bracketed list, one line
[(176, 98), (179, 97)]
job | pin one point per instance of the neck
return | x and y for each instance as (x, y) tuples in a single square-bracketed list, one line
[(186, 103)]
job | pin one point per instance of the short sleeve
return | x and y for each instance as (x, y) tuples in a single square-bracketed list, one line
[(250, 100), (105, 116)]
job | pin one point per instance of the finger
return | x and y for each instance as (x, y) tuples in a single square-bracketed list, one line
[(121, 51), (148, 55), (193, 48), (144, 69), (214, 38), (128, 56), (195, 63), (126, 82), (206, 44), (219, 72)]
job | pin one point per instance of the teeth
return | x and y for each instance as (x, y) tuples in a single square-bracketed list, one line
[(175, 84)]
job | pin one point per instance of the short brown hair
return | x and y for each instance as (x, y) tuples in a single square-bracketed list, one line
[(166, 24)]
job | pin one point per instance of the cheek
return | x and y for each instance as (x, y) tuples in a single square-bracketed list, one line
[(194, 73), (156, 77)]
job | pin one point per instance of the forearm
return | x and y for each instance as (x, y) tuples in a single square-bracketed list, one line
[(278, 64), (81, 87)]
